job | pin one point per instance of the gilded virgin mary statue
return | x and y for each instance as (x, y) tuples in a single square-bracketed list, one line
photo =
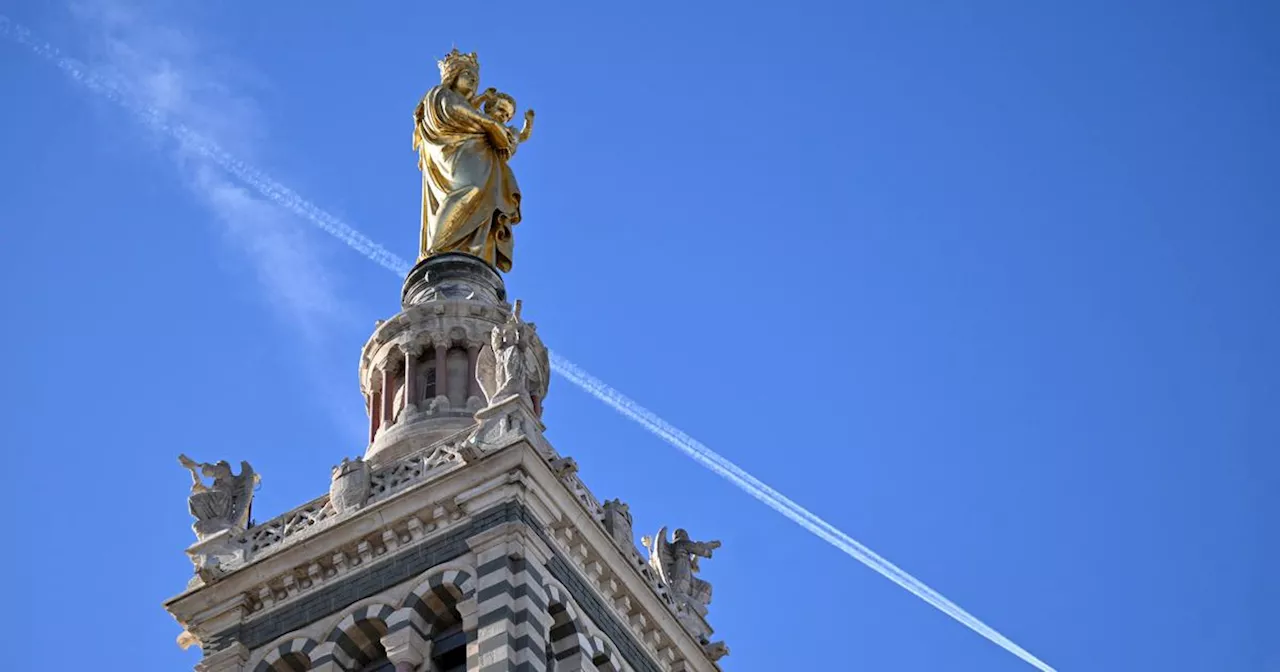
[(470, 200)]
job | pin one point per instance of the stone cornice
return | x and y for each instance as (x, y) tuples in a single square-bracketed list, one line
[(416, 507)]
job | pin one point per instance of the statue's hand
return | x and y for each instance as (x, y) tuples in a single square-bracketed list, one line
[(499, 139), (528, 115)]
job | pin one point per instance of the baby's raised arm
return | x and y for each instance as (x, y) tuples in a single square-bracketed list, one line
[(527, 129)]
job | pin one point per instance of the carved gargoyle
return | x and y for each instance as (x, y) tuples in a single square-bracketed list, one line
[(715, 650), (563, 467)]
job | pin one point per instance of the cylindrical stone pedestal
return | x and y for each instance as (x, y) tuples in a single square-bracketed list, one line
[(452, 276)]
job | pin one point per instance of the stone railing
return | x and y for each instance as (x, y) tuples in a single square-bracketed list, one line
[(286, 529), (438, 459), (442, 457)]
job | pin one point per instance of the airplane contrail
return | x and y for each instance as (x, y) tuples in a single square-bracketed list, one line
[(593, 386), (781, 503), (206, 148)]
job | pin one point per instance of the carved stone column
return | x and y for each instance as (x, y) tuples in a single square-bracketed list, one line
[(388, 397), (473, 385), (375, 413), (411, 354), (328, 657), (406, 645), (442, 371)]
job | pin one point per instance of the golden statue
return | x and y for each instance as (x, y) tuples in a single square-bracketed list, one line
[(470, 199)]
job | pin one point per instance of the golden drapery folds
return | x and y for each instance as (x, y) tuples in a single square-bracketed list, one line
[(470, 199)]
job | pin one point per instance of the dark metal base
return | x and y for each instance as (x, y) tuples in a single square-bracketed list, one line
[(452, 276)]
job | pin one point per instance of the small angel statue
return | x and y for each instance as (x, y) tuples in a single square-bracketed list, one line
[(225, 503)]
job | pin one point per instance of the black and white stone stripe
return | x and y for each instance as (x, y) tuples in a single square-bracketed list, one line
[(511, 617), (292, 656), (357, 639)]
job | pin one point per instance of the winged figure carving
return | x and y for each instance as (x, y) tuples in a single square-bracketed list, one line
[(514, 362), (676, 563), (225, 503)]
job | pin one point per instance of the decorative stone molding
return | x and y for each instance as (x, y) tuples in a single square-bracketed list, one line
[(267, 537), (231, 659), (284, 530), (387, 483)]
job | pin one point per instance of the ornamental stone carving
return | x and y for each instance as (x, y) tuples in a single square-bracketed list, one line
[(514, 365), (617, 521), (676, 563), (564, 467), (715, 650), (223, 504), (349, 489)]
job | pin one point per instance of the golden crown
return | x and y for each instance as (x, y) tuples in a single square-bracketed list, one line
[(456, 62)]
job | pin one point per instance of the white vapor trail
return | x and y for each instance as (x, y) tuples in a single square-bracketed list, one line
[(207, 148), (700, 453), (781, 503)]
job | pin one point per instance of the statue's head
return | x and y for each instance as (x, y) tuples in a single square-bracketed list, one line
[(220, 469), (500, 108), (682, 534), (461, 72)]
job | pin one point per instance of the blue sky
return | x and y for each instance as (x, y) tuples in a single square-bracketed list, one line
[(989, 286)]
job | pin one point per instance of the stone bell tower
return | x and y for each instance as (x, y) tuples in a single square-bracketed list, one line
[(460, 539)]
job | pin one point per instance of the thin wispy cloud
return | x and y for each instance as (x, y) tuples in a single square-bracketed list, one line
[(166, 71), (233, 199), (170, 83)]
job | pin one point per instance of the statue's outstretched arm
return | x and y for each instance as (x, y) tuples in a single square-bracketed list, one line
[(527, 129), (704, 548), (193, 467)]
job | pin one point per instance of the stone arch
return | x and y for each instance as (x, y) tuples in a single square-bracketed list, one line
[(436, 599), (357, 639), (291, 656), (603, 656), (568, 641)]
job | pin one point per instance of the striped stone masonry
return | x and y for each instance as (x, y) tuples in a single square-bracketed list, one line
[(540, 585), (512, 623)]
